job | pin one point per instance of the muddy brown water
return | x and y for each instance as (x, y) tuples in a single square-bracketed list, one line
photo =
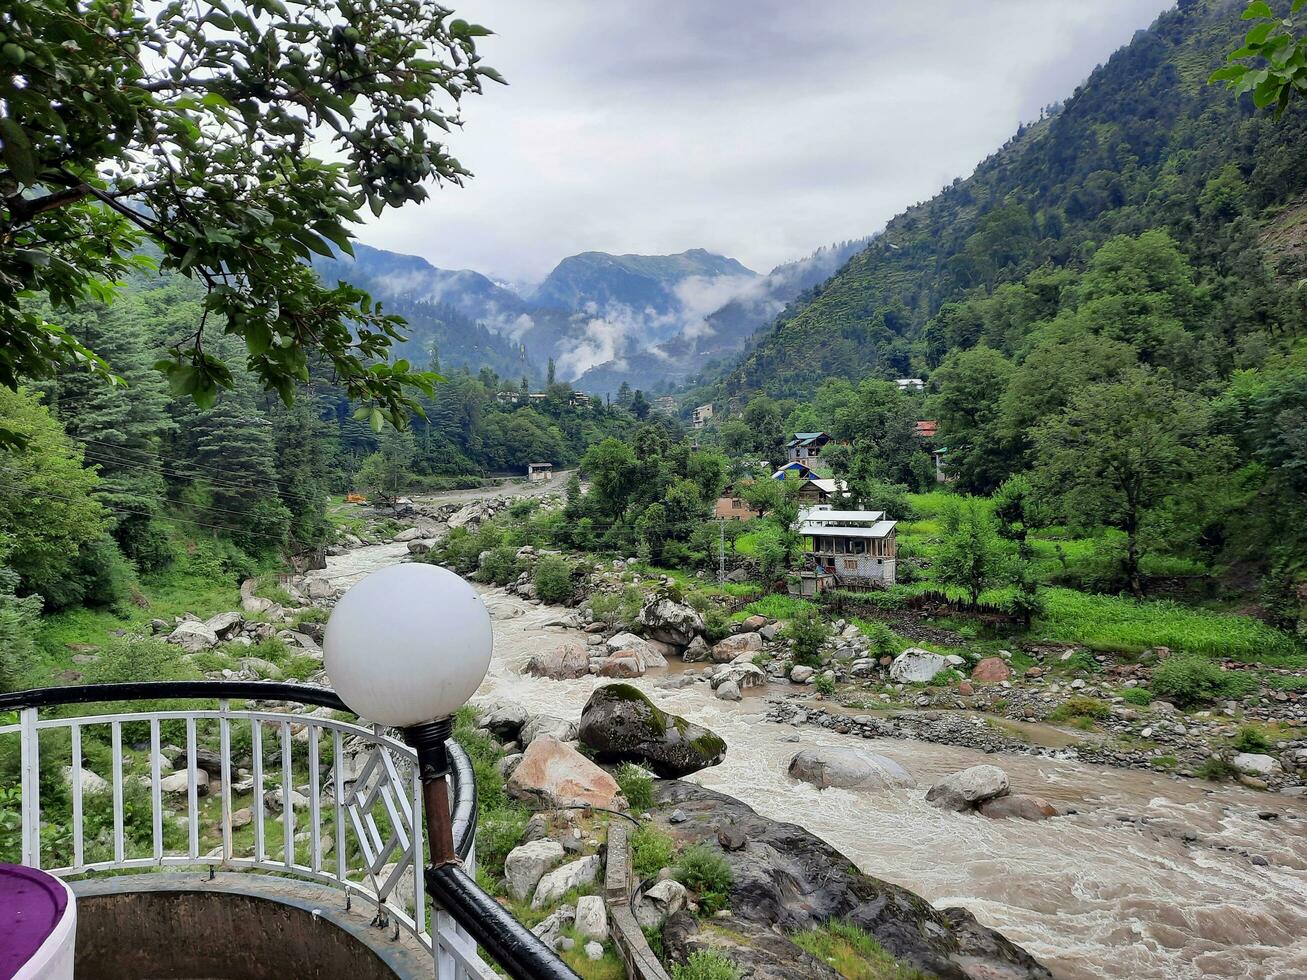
[(1114, 890)]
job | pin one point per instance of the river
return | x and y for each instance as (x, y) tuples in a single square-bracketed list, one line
[(1114, 890)]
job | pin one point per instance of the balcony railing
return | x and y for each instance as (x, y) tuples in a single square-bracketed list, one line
[(329, 800)]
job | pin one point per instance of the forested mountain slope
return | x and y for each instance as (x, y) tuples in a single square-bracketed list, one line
[(1145, 143)]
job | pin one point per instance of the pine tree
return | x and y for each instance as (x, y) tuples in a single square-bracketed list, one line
[(301, 438)]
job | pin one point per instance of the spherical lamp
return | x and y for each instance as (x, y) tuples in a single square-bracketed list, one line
[(407, 645)]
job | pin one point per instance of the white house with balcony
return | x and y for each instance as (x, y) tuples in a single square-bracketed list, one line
[(857, 547)]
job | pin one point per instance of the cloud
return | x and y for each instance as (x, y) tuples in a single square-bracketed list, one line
[(754, 128)]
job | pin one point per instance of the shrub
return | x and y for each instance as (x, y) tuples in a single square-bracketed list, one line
[(825, 685), (705, 965), (807, 632), (1137, 695), (1216, 769), (1080, 707), (651, 850), (881, 638), (853, 953), (553, 579), (637, 786), (1251, 739), (1191, 679), (500, 565), (705, 872)]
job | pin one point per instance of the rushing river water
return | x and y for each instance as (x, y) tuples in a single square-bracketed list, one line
[(1114, 890)]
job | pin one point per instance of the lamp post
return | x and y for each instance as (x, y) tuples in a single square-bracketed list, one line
[(406, 647)]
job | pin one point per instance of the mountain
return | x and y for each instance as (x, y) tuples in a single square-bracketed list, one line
[(1143, 143), (704, 342)]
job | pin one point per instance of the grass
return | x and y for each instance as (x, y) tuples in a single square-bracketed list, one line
[(607, 967), (636, 784), (705, 965), (651, 850), (705, 872), (853, 954), (775, 606)]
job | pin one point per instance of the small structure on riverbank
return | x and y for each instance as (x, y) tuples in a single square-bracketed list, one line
[(538, 472)]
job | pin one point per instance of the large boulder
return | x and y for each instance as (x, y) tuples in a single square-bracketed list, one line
[(550, 725), (622, 664), (527, 864), (504, 719), (554, 774), (642, 650), (193, 636), (591, 918), (670, 620), (696, 650), (733, 646), (560, 881), (744, 676), (567, 661), (915, 665), (665, 898), (1020, 806), (621, 724), (225, 625), (991, 670), (969, 788), (847, 767), (1255, 764)]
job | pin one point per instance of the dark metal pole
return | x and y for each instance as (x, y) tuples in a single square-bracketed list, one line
[(428, 742)]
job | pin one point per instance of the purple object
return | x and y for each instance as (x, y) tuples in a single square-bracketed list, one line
[(32, 904)]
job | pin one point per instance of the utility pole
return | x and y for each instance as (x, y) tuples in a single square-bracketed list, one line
[(721, 551)]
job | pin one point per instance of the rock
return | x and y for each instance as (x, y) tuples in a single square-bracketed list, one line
[(742, 675), (261, 668), (915, 665), (649, 655), (731, 647), (1018, 805), (569, 660), (527, 864), (179, 782), (420, 547), (1254, 764), (320, 588), (667, 619), (1033, 672), (620, 724), (696, 651), (505, 765), (770, 632), (623, 664), (225, 625), (800, 674), (593, 951), (847, 767), (728, 691), (193, 636), (562, 880), (92, 784), (550, 929), (272, 799), (965, 689), (559, 728), (591, 917), (504, 719), (409, 534), (991, 670), (753, 624), (661, 900), (254, 605), (678, 816), (731, 836), (554, 774), (968, 788)]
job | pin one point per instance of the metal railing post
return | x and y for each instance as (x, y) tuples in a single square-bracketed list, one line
[(30, 753)]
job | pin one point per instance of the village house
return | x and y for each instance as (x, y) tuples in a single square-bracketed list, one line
[(910, 384), (812, 491), (539, 472), (730, 506), (578, 399), (666, 404), (926, 430), (805, 446), (857, 548), (509, 397), (701, 415)]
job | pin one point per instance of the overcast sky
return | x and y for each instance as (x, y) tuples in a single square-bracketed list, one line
[(760, 129)]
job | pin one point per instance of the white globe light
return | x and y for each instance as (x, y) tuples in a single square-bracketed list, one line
[(408, 644)]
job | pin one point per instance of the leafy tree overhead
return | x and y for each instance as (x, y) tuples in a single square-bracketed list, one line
[(1280, 74), (190, 128)]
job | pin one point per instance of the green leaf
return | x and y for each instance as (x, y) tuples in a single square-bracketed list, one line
[(1227, 74), (376, 419), (1257, 9), (17, 151)]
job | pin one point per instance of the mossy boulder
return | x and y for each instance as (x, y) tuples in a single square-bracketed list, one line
[(621, 724)]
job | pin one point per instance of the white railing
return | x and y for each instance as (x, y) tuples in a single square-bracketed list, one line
[(353, 820)]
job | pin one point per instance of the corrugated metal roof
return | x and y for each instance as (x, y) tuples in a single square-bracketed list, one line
[(830, 486), (880, 529), (829, 514)]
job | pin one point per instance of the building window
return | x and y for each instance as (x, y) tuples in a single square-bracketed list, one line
[(850, 565)]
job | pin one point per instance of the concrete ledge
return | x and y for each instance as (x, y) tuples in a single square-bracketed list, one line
[(627, 936), (236, 925)]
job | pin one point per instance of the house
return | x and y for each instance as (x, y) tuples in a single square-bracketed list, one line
[(701, 415), (536, 397), (926, 429), (823, 491), (666, 404), (793, 470), (578, 399), (731, 506), (538, 472), (910, 384), (857, 547), (805, 446), (509, 397)]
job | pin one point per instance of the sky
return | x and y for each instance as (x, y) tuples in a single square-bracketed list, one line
[(759, 129)]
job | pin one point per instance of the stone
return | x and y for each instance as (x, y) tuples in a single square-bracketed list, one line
[(1255, 764), (320, 588), (753, 624), (264, 669), (254, 605), (847, 767), (562, 880), (728, 691), (770, 632), (620, 724), (554, 774), (1033, 672), (665, 898), (800, 674), (550, 929), (591, 918), (623, 664), (179, 782), (593, 951), (670, 620), (527, 864), (968, 788), (742, 675), (731, 647), (1019, 805), (991, 670), (696, 651), (272, 800), (965, 689), (554, 727), (915, 665), (409, 534), (731, 836), (193, 636), (648, 654), (567, 661), (504, 720), (92, 784), (421, 546), (506, 764), (225, 625), (242, 818)]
